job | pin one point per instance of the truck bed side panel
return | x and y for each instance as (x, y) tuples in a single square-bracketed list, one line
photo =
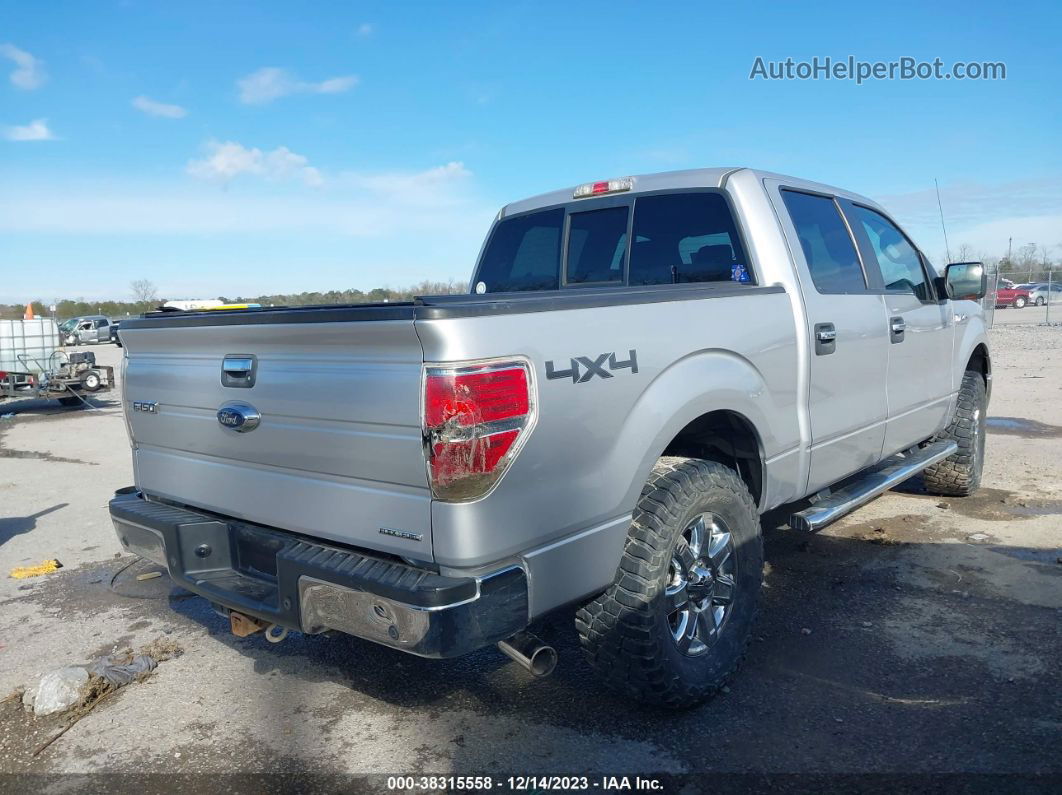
[(587, 458)]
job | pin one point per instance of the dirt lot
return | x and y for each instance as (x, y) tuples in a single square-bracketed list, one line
[(917, 635)]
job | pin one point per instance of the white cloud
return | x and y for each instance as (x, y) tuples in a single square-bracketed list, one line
[(983, 215), (159, 109), (432, 187), (365, 29), (228, 160), (270, 83), (440, 202), (29, 71), (36, 130), (357, 230)]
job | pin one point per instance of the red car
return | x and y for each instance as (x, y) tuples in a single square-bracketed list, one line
[(1017, 297)]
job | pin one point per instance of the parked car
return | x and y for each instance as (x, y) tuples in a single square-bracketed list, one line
[(115, 324), (1017, 296), (86, 330), (644, 366), (1040, 294)]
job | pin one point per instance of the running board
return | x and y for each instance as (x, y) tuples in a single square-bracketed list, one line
[(870, 484)]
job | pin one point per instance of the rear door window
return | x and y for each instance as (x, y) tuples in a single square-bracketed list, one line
[(597, 246), (900, 264), (686, 237), (826, 243), (523, 253)]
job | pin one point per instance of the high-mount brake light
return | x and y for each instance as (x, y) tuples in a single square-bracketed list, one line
[(476, 418), (603, 188)]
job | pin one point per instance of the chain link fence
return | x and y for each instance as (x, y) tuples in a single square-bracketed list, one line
[(1029, 298)]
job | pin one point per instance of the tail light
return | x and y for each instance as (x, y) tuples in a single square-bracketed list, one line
[(476, 418)]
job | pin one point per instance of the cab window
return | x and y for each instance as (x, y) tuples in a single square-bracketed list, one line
[(899, 261), (686, 237), (597, 246), (523, 253), (827, 246)]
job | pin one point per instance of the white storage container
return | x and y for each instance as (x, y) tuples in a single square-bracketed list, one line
[(26, 346)]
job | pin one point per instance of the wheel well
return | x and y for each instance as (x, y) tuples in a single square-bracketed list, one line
[(980, 363), (728, 438)]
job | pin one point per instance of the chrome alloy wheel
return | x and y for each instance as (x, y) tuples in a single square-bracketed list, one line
[(700, 587)]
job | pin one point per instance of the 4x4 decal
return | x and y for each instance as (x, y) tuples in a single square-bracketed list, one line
[(583, 368)]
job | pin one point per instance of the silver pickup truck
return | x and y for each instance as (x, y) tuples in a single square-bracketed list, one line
[(643, 367)]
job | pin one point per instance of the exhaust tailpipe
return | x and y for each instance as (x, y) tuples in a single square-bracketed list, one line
[(530, 652)]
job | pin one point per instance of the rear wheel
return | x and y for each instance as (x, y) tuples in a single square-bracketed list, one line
[(1019, 302), (676, 621), (959, 474)]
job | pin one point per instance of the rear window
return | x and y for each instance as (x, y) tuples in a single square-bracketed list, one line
[(683, 237), (686, 237), (524, 253), (597, 246)]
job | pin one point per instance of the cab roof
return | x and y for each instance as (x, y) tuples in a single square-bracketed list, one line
[(672, 180)]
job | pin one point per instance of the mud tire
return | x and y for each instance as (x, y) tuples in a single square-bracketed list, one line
[(625, 632), (959, 475)]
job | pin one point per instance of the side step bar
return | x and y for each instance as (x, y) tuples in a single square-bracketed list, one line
[(870, 484)]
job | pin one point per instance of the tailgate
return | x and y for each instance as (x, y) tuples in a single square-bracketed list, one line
[(337, 453)]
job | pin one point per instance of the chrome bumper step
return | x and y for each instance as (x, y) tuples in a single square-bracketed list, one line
[(870, 484)]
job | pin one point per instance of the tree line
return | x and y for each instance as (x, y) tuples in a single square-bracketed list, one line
[(146, 299), (1030, 263)]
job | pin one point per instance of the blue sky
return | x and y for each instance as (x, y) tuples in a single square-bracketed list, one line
[(225, 148)]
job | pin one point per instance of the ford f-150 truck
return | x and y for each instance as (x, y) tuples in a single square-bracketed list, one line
[(642, 367)]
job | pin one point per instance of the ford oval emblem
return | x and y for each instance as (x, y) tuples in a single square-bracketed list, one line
[(239, 417)]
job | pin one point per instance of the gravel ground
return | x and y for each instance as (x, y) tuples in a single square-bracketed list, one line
[(918, 635)]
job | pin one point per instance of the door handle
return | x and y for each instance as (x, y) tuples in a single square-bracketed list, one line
[(237, 367), (825, 339), (239, 370), (897, 327)]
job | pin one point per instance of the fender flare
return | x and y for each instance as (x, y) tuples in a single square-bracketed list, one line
[(973, 341), (667, 405)]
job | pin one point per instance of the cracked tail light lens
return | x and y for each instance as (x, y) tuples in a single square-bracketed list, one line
[(476, 418)]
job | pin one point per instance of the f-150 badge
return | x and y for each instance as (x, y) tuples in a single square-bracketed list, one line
[(583, 368)]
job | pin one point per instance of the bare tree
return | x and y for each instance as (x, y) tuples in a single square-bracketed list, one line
[(143, 290), (965, 253), (1027, 256)]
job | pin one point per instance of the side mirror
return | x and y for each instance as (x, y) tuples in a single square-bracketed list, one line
[(965, 281)]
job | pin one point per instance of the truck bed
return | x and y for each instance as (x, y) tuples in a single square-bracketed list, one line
[(339, 453)]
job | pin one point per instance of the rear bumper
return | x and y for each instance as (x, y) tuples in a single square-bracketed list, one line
[(285, 579)]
